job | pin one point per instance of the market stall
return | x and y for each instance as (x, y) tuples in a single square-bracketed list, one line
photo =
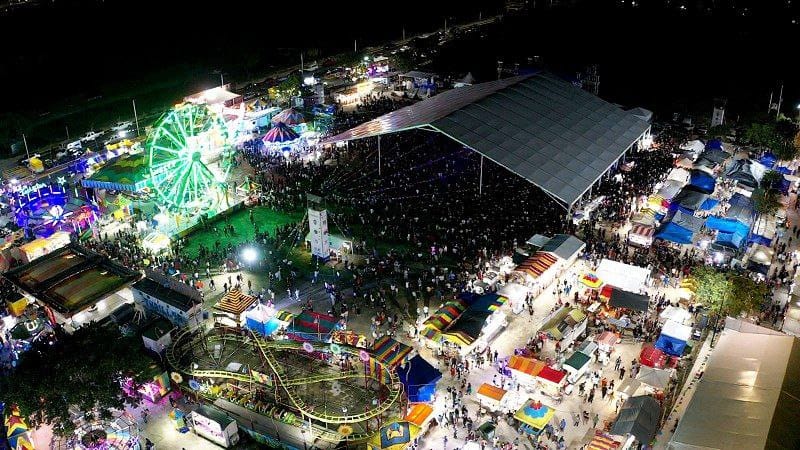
[(420, 415), (640, 418), (491, 397), (576, 366), (419, 379), (551, 380), (533, 416), (607, 341), (675, 314), (641, 235), (657, 379), (525, 369), (623, 276)]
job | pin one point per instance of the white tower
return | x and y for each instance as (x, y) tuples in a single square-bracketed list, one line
[(718, 116), (318, 225)]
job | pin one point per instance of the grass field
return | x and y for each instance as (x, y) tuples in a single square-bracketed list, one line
[(266, 218)]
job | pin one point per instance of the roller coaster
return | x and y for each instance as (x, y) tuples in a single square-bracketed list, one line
[(344, 390)]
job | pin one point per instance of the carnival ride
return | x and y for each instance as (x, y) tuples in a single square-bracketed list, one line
[(344, 391), (189, 157), (44, 209)]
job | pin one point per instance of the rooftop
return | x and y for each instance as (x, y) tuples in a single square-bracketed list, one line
[(165, 294), (540, 127)]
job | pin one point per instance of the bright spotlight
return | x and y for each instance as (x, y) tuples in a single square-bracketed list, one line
[(249, 255)]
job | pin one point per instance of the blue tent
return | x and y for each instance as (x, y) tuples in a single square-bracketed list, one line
[(768, 159), (735, 240), (741, 209), (703, 181), (724, 225), (670, 345), (674, 233), (709, 204), (419, 379), (784, 170), (758, 239), (714, 144)]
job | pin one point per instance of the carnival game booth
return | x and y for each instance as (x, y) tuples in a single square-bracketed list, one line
[(266, 320), (311, 326), (419, 379), (539, 270), (493, 398), (576, 366), (565, 325), (397, 435), (651, 356), (620, 299), (479, 324), (533, 416), (551, 380)]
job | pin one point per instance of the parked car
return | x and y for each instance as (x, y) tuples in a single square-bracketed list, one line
[(90, 136)]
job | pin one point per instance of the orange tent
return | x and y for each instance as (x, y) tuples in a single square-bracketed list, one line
[(528, 366), (492, 392), (419, 414)]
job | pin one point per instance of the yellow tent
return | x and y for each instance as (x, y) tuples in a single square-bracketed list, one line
[(535, 414), (18, 307), (395, 435)]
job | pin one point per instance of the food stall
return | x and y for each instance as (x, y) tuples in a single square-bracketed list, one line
[(420, 415), (216, 426)]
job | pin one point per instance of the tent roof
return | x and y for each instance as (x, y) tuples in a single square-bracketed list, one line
[(544, 129), (657, 378), (538, 240), (629, 300), (565, 246), (690, 222), (677, 330), (639, 416), (420, 373), (747, 397), (623, 276)]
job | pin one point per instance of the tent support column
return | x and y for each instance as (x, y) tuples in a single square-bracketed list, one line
[(379, 155), (480, 179)]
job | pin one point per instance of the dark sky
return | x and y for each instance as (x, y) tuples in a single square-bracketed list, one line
[(71, 47)]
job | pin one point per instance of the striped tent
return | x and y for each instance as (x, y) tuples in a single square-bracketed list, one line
[(446, 315), (289, 116), (602, 441), (279, 134), (389, 351), (642, 230), (234, 302), (537, 264), (644, 217), (528, 366)]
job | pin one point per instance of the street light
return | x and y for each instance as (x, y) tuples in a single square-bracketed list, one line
[(249, 255)]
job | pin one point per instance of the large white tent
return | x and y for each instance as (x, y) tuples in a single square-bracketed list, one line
[(747, 398), (623, 276)]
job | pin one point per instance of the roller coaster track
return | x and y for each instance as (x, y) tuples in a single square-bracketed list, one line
[(394, 386)]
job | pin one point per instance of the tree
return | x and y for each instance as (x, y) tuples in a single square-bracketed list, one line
[(82, 370), (761, 134), (728, 293), (712, 287), (745, 295)]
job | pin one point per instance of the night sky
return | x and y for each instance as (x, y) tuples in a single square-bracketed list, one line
[(647, 55)]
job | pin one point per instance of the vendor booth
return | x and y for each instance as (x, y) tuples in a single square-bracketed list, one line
[(641, 235), (421, 415), (390, 352), (232, 306), (675, 314), (551, 380), (525, 370), (607, 341), (658, 379), (617, 298), (674, 337), (639, 418), (265, 319), (533, 416), (492, 397), (565, 325), (576, 366)]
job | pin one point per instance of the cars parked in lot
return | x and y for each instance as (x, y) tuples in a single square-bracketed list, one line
[(90, 136)]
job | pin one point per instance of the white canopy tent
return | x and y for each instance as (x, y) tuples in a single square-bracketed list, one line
[(676, 330), (675, 314), (679, 174), (623, 276)]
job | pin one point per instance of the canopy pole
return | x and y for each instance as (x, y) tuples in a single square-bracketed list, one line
[(480, 179), (379, 155)]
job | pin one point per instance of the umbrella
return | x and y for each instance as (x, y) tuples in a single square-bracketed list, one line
[(289, 116), (280, 133)]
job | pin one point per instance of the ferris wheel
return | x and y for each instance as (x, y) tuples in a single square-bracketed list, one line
[(185, 145)]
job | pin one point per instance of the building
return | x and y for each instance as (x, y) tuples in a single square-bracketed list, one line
[(170, 301), (74, 284), (157, 336)]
